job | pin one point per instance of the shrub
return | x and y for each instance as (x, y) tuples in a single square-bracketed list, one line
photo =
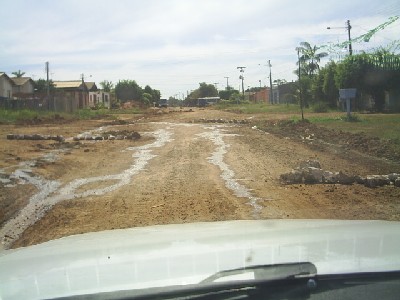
[(320, 107)]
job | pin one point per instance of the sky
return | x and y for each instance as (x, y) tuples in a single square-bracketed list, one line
[(173, 45)]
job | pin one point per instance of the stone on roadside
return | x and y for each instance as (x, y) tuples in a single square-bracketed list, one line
[(312, 175), (397, 182), (330, 177), (345, 179), (310, 163), (294, 176), (376, 180), (393, 176)]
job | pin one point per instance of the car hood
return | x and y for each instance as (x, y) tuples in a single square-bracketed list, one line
[(179, 254)]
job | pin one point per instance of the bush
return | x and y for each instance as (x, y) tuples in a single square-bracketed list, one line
[(320, 108), (351, 118)]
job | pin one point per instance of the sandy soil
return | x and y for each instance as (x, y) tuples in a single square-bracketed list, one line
[(182, 169)]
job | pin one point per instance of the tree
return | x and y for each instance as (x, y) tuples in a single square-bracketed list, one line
[(309, 58), (106, 85), (126, 90), (204, 90), (155, 94), (226, 94), (147, 99), (207, 90), (372, 74), (329, 86), (41, 85), (18, 73)]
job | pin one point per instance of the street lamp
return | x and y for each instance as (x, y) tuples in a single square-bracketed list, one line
[(348, 27), (242, 78)]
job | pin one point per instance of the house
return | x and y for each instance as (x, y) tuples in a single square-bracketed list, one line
[(260, 96), (6, 86), (23, 87), (71, 95), (100, 98)]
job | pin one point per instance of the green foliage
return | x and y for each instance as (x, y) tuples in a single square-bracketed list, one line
[(310, 58), (126, 90), (129, 90), (25, 115), (320, 107), (227, 94), (204, 90), (329, 87), (87, 113), (18, 73), (106, 85), (40, 85), (372, 74), (351, 118)]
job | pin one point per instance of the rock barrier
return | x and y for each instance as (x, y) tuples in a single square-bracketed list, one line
[(35, 137), (116, 136), (310, 172), (222, 121)]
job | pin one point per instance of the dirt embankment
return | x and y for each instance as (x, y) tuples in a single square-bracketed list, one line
[(180, 170)]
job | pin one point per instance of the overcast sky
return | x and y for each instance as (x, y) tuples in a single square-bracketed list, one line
[(173, 45)]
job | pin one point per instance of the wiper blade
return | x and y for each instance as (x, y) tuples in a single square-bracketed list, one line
[(266, 272)]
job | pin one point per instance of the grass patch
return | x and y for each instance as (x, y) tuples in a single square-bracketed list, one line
[(15, 116), (32, 116), (258, 108), (386, 126), (133, 110)]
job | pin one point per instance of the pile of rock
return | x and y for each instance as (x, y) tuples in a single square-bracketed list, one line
[(310, 172), (222, 121), (35, 137), (101, 137)]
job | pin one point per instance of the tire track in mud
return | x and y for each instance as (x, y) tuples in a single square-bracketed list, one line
[(46, 198), (49, 192)]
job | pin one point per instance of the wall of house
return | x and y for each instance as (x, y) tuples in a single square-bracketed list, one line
[(26, 88), (261, 96), (99, 98), (5, 87)]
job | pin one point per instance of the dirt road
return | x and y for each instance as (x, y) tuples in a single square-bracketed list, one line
[(182, 169)]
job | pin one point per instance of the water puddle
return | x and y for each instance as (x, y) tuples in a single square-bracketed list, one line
[(217, 158), (50, 192)]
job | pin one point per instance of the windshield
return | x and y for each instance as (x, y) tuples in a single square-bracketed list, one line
[(166, 117)]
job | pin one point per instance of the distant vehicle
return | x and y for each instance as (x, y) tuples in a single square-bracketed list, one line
[(206, 101), (163, 103)]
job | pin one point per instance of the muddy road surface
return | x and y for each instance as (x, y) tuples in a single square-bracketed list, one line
[(187, 166)]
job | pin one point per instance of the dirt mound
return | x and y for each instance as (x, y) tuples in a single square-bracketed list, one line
[(313, 134)]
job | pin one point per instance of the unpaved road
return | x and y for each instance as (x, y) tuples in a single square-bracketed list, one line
[(182, 169)]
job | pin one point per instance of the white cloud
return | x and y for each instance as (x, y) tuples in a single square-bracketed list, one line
[(175, 44)]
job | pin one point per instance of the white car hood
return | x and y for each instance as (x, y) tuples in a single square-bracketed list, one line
[(166, 255)]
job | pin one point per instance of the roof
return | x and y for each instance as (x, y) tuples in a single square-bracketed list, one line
[(6, 76), (91, 86), (21, 80), (67, 84)]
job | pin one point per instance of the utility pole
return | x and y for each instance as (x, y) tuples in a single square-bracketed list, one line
[(227, 83), (348, 31), (216, 85), (270, 82), (300, 95), (348, 27), (242, 78), (48, 87)]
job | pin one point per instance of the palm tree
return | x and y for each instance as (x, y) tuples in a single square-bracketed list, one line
[(309, 58), (18, 73)]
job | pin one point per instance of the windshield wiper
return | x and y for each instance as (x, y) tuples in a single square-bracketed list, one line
[(266, 272), (283, 281)]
